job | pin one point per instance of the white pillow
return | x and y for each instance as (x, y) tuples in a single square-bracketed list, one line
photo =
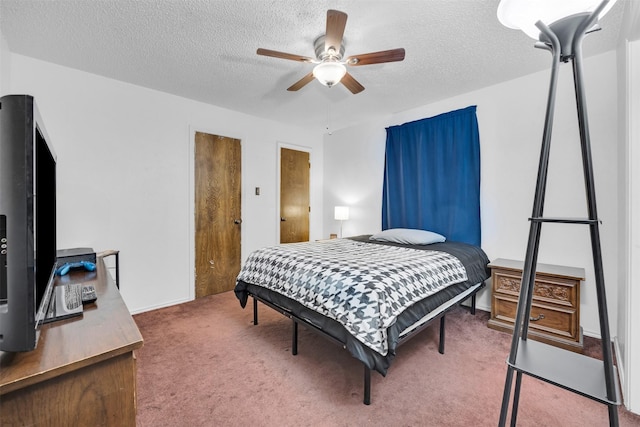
[(408, 236)]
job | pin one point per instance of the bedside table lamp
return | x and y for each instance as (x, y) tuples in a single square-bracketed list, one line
[(559, 26), (341, 213)]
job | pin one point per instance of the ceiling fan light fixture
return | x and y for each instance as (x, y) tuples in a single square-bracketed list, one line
[(523, 14), (329, 73)]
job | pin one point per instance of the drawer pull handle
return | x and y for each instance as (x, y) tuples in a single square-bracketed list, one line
[(539, 317)]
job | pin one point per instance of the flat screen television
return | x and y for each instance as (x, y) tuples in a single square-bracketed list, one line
[(27, 222)]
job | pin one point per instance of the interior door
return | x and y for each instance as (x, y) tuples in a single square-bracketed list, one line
[(217, 213), (294, 195)]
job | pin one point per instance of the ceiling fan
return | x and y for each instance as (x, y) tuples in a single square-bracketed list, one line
[(331, 68)]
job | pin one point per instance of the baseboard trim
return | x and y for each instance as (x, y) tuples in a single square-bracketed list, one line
[(163, 305), (620, 365), (481, 307)]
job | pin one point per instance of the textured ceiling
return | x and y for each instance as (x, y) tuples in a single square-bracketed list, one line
[(206, 50)]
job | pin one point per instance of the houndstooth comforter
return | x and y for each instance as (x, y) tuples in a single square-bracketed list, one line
[(360, 285)]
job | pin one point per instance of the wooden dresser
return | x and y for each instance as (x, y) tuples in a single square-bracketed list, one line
[(555, 312), (83, 371)]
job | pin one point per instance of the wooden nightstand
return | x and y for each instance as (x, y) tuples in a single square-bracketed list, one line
[(555, 312)]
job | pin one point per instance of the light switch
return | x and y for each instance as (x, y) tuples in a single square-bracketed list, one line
[(257, 191)]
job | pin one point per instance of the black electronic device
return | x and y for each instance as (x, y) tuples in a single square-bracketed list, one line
[(76, 255), (27, 222), (89, 294)]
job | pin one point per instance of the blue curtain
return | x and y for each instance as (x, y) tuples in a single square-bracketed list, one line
[(432, 176)]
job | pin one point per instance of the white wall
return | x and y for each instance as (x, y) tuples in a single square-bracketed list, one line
[(510, 119), (628, 339), (5, 66), (124, 173), (353, 162), (632, 297)]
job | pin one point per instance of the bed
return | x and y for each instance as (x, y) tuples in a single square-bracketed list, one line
[(367, 296)]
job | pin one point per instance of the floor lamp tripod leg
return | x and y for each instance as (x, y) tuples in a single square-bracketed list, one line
[(506, 397), (516, 399)]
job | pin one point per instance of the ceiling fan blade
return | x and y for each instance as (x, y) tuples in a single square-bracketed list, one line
[(336, 21), (392, 55), (282, 55), (351, 84), (301, 83)]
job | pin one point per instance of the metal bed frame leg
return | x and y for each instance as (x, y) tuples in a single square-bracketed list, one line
[(294, 339), (473, 304), (367, 385), (441, 344), (255, 311)]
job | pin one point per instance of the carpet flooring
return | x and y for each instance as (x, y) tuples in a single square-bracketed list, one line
[(204, 363)]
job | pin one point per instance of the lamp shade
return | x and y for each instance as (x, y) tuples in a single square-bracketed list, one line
[(341, 213), (523, 14), (329, 73)]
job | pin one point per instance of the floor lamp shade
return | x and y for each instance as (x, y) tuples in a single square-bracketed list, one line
[(523, 14), (341, 213)]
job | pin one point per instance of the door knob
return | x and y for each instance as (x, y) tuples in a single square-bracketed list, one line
[(237, 221), (282, 218)]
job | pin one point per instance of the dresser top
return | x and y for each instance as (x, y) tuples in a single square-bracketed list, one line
[(105, 330), (550, 269)]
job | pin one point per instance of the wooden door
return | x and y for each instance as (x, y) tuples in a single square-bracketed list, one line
[(217, 213), (294, 196)]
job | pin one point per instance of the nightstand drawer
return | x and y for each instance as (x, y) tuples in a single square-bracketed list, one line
[(549, 289), (549, 320)]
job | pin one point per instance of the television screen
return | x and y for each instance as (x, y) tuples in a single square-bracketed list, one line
[(45, 220)]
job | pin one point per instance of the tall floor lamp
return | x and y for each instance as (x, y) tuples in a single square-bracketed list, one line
[(559, 26), (341, 213)]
